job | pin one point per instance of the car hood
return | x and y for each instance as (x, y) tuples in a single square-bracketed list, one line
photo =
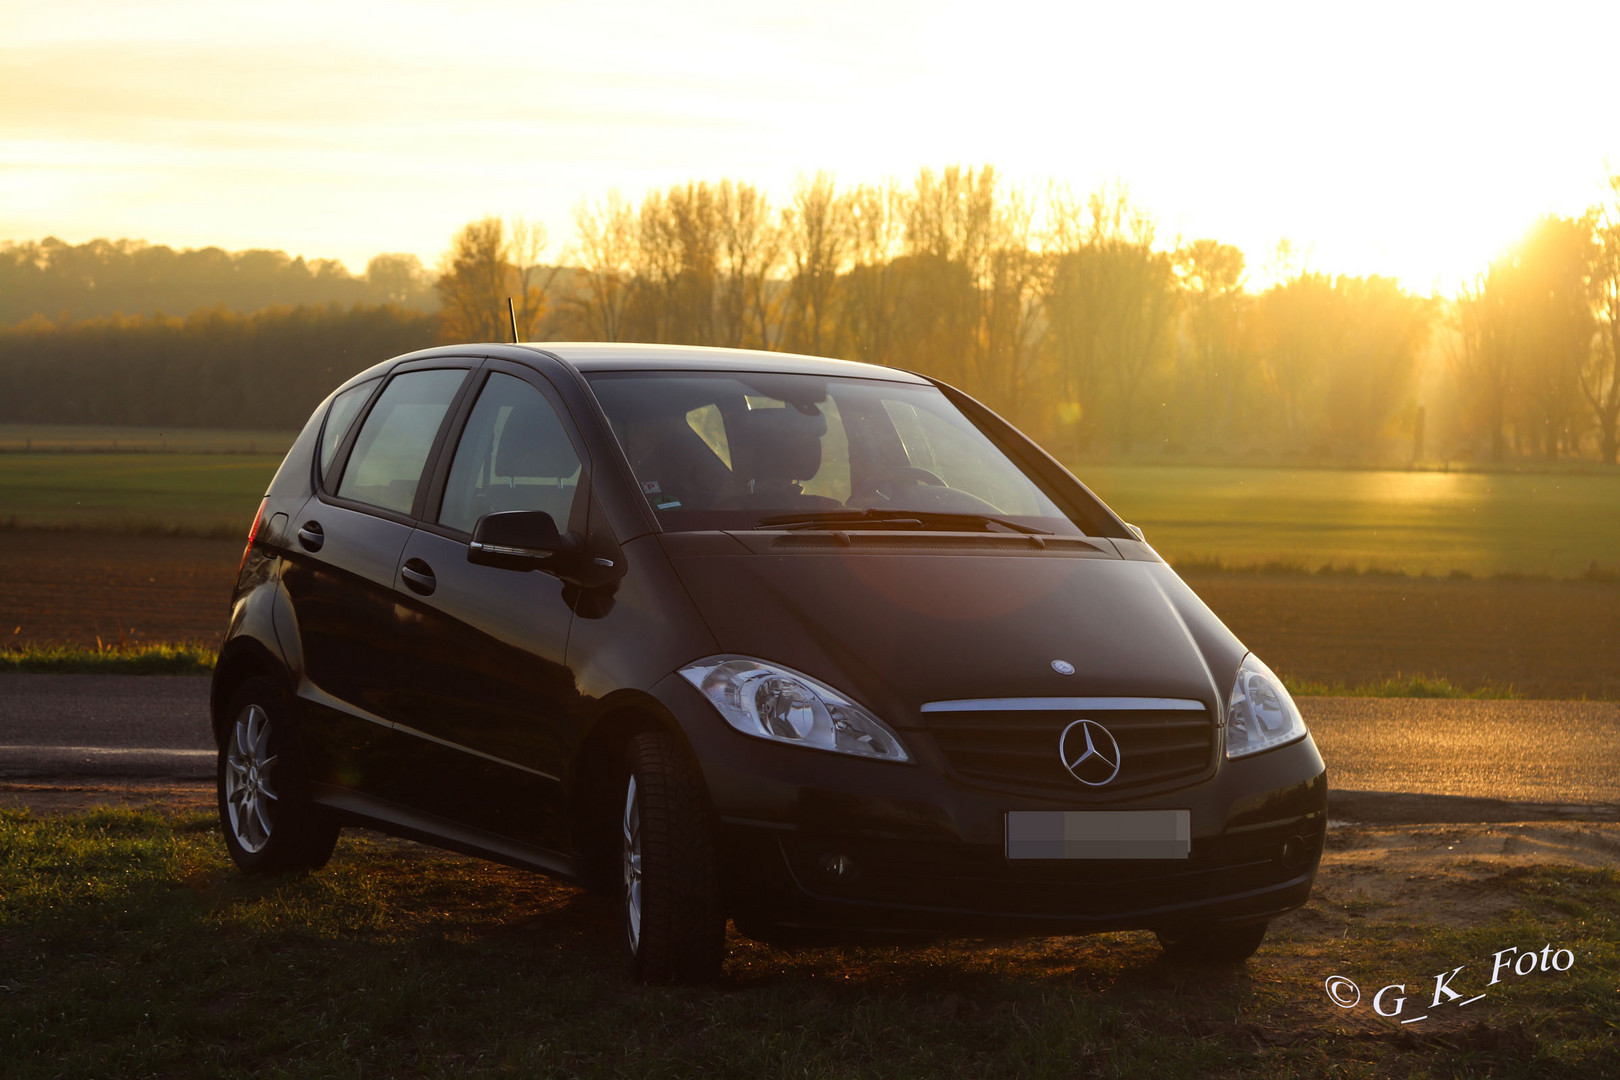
[(896, 628)]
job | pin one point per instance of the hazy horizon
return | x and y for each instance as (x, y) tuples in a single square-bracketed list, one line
[(1415, 143)]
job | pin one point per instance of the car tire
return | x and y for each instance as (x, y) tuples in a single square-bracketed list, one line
[(270, 823), (1212, 944), (673, 920)]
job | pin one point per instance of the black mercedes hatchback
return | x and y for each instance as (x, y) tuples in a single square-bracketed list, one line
[(826, 649)]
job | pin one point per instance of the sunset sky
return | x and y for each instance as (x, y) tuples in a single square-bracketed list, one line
[(1409, 139)]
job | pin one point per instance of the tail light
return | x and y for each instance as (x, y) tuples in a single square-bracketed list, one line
[(253, 534)]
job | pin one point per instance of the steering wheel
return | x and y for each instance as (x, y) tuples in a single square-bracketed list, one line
[(896, 477)]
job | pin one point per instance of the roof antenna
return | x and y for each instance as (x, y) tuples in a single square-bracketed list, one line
[(512, 312)]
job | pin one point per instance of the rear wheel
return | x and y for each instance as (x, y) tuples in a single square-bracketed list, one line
[(1212, 944), (670, 896), (271, 826)]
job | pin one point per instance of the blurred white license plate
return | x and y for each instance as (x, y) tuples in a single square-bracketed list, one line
[(1099, 834)]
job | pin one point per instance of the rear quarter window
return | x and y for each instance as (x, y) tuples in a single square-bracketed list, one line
[(340, 417)]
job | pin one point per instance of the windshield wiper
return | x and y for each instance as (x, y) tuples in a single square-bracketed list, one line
[(886, 518)]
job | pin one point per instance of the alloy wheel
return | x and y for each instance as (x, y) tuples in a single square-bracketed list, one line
[(250, 794), (632, 865)]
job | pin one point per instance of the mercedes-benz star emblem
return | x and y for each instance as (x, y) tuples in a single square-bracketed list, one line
[(1063, 667), (1090, 753)]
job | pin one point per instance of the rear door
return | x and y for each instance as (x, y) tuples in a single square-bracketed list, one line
[(342, 563), (482, 683)]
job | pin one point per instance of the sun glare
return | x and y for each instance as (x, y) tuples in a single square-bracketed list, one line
[(1410, 142)]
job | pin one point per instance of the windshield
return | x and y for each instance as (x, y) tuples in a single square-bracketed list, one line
[(743, 450)]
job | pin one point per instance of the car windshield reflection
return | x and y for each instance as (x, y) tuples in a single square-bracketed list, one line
[(746, 451)]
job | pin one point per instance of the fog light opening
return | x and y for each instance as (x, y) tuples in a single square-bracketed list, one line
[(840, 868), (1296, 851)]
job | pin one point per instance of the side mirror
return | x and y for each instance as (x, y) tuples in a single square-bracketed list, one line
[(521, 540), (1136, 532)]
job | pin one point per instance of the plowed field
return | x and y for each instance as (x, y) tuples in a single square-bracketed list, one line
[(1551, 639), (70, 588)]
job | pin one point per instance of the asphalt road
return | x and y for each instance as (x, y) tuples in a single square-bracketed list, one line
[(104, 726), (56, 727), (1526, 751)]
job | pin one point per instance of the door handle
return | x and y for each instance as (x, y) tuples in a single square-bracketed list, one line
[(418, 577), (311, 536)]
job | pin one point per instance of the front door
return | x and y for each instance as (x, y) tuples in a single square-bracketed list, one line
[(483, 685)]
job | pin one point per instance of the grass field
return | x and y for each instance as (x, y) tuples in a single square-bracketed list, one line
[(128, 946), (78, 438), (195, 494), (1538, 524), (1483, 524)]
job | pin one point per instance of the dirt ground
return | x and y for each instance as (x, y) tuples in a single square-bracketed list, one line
[(1550, 639), (73, 798), (70, 587)]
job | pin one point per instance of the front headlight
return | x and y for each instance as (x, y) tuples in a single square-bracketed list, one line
[(1259, 713), (777, 703)]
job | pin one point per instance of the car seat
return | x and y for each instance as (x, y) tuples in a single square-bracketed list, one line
[(782, 450)]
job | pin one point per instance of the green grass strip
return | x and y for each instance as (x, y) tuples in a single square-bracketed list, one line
[(1401, 686), (162, 658)]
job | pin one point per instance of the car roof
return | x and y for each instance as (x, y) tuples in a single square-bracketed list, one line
[(600, 356), (593, 356)]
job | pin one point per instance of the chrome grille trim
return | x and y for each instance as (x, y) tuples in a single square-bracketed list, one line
[(1066, 704)]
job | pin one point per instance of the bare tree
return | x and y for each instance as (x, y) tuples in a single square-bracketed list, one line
[(1551, 274), (1211, 280), (876, 223), (975, 235), (1371, 359), (1484, 360), (606, 253), (749, 250), (488, 262), (1600, 375), (1110, 299), (1295, 327), (817, 238)]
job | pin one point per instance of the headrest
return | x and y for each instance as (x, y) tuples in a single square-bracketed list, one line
[(533, 444), (784, 444)]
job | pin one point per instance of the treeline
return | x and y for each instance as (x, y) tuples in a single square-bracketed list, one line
[(214, 368), (1078, 320), (1074, 316), (63, 282), (1537, 352)]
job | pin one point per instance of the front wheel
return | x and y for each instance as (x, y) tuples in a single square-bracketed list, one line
[(674, 923), (1212, 944), (271, 826)]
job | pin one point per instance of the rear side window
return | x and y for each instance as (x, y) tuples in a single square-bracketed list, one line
[(345, 407), (395, 440), (514, 455)]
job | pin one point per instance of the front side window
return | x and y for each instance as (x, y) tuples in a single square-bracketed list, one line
[(734, 451), (397, 437), (513, 455)]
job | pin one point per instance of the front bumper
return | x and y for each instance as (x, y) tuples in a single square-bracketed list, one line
[(822, 844)]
